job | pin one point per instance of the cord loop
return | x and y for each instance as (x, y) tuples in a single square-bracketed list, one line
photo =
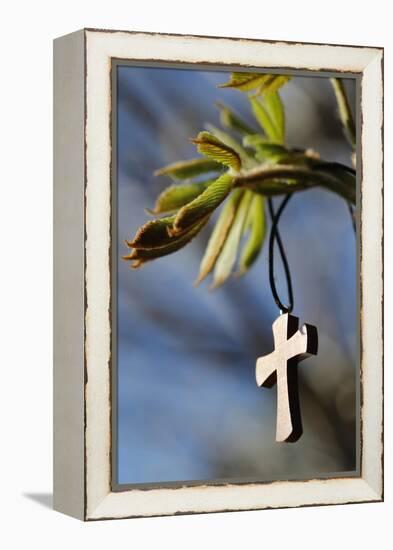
[(275, 236)]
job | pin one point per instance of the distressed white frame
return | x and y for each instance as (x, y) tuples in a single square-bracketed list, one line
[(84, 490)]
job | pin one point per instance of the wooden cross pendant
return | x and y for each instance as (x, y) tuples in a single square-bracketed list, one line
[(291, 345)]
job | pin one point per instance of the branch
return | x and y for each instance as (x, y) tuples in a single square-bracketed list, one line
[(278, 179), (344, 110)]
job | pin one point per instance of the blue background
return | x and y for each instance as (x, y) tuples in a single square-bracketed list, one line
[(188, 405)]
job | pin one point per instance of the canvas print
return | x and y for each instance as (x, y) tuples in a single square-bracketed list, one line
[(235, 332)]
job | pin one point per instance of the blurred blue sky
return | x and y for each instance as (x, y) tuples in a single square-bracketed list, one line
[(188, 405)]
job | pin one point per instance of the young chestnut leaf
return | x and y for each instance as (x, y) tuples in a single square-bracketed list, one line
[(245, 81), (274, 84), (275, 109), (212, 147), (263, 117), (231, 120), (139, 256), (265, 150), (267, 155), (152, 234), (256, 224), (203, 205), (262, 83), (344, 110), (186, 169), (176, 196), (247, 160), (227, 258), (219, 234), (254, 141)]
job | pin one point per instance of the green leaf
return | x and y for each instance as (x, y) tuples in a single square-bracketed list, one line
[(153, 233), (271, 155), (263, 83), (212, 147), (262, 115), (344, 110), (227, 258), (266, 151), (204, 204), (229, 119), (246, 159), (274, 84), (256, 223), (176, 196), (139, 256), (275, 109), (254, 141), (219, 234), (245, 81), (189, 168)]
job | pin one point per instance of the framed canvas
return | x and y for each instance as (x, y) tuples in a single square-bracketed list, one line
[(158, 404)]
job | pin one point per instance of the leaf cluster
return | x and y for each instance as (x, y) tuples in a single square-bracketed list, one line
[(239, 167)]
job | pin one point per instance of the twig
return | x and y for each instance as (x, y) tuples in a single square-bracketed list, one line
[(344, 110), (280, 178)]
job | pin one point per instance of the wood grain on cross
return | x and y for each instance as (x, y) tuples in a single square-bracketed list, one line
[(291, 345)]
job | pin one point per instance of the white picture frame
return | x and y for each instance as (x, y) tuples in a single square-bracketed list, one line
[(82, 257)]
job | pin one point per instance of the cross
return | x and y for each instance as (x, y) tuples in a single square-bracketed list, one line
[(291, 345)]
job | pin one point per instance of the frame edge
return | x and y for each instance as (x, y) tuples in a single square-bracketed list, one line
[(68, 288), (367, 488)]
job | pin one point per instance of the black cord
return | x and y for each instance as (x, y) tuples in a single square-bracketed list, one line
[(275, 235), (352, 215)]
